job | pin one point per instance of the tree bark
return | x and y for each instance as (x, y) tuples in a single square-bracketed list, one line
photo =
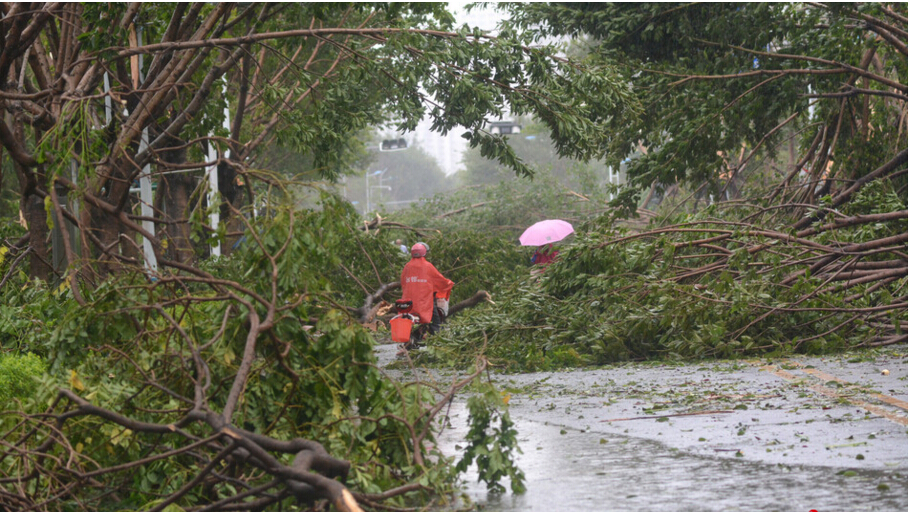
[(36, 217)]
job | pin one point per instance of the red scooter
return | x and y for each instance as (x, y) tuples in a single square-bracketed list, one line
[(406, 327)]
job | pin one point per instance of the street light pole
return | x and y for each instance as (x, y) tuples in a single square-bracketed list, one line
[(399, 144), (368, 201)]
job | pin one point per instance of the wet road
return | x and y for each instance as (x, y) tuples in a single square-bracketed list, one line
[(825, 434)]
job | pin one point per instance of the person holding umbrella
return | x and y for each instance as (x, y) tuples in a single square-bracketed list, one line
[(543, 234)]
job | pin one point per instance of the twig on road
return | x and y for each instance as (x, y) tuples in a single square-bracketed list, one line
[(670, 415)]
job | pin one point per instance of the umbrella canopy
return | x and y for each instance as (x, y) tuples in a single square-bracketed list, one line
[(546, 232)]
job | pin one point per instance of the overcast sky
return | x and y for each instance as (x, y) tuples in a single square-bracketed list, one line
[(486, 19)]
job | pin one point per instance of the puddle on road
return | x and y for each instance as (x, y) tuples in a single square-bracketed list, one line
[(594, 471)]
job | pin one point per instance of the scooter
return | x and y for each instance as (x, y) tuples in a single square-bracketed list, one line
[(406, 327)]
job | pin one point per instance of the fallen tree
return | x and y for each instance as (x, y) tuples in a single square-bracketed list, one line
[(368, 312), (725, 282)]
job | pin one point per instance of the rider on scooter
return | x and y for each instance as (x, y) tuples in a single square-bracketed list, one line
[(422, 284)]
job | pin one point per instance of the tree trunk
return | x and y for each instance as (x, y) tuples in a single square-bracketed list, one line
[(36, 217), (176, 190), (129, 249), (230, 197), (32, 206)]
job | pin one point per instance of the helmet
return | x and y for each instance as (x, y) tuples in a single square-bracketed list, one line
[(419, 250)]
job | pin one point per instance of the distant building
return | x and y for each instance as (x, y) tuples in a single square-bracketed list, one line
[(447, 150)]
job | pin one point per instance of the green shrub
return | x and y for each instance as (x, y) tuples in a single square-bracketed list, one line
[(17, 375)]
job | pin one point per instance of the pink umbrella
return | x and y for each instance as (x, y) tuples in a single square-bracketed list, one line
[(546, 232)]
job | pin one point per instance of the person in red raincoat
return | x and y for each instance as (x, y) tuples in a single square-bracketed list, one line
[(544, 255), (422, 284)]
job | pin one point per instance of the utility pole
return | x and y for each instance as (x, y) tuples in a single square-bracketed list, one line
[(211, 173), (146, 198)]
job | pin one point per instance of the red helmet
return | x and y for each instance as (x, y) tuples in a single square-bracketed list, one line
[(418, 250)]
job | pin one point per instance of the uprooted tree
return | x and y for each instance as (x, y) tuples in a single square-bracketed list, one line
[(169, 378)]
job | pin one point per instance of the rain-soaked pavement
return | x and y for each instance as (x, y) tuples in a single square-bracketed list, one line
[(796, 434)]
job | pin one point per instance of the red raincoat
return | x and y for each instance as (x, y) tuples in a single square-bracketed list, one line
[(544, 255), (421, 283)]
